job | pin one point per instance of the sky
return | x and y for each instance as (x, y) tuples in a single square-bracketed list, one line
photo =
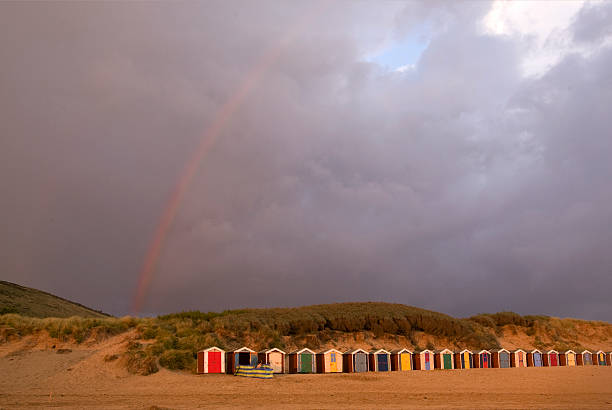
[(447, 155)]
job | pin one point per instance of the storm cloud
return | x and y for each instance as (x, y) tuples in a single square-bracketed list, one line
[(459, 184)]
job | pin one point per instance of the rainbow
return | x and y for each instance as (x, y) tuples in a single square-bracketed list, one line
[(209, 137)]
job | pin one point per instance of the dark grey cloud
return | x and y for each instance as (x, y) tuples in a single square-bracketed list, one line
[(459, 186)]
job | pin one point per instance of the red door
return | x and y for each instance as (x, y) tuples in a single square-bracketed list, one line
[(214, 362), (520, 355), (553, 360)]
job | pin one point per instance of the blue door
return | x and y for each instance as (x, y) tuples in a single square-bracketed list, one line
[(537, 360), (383, 363)]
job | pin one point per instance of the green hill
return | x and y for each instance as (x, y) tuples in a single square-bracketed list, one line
[(35, 303)]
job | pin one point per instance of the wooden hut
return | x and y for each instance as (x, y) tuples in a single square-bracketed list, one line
[(329, 361), (609, 359), (274, 357), (211, 360), (599, 358), (534, 358), (423, 360), (584, 359), (550, 358), (518, 358), (443, 359), (500, 358), (401, 360), (355, 361), (380, 361), (482, 359), (242, 356), (567, 358), (463, 359), (302, 361)]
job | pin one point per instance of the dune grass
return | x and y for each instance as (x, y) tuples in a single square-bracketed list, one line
[(172, 341)]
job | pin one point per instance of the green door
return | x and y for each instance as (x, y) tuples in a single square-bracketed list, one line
[(306, 363), (447, 361)]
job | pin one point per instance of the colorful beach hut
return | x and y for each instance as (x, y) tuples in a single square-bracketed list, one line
[(380, 361), (401, 360), (534, 358), (423, 360), (584, 359), (501, 358), (600, 358), (211, 360), (355, 361), (567, 358), (482, 359), (518, 358), (240, 357), (443, 359), (463, 359), (302, 361), (551, 358), (329, 361), (274, 357)]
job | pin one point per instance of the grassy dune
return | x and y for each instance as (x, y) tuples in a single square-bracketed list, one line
[(35, 303), (171, 341)]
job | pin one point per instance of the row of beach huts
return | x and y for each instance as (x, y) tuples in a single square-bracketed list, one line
[(215, 360)]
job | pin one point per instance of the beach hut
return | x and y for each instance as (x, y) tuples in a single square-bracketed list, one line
[(355, 361), (482, 359), (302, 361), (584, 359), (501, 358), (240, 357), (463, 359), (274, 357), (329, 361), (550, 358), (567, 358), (518, 358), (534, 358), (609, 359), (211, 360), (443, 359), (423, 360), (380, 361), (401, 360), (600, 358)]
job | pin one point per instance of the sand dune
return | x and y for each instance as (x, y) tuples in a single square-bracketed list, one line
[(83, 379)]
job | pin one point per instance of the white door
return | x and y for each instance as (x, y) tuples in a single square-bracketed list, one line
[(276, 361)]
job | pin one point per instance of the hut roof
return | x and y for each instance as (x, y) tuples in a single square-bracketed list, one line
[(484, 351), (536, 351), (518, 350), (379, 351), (586, 351), (304, 350), (423, 351), (599, 351), (274, 349), (400, 351), (465, 350), (241, 349), (570, 351), (356, 351), (552, 351), (444, 351), (499, 351), (213, 348)]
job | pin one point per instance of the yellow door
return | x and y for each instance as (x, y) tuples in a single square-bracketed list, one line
[(571, 359), (466, 360), (333, 367), (405, 361)]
